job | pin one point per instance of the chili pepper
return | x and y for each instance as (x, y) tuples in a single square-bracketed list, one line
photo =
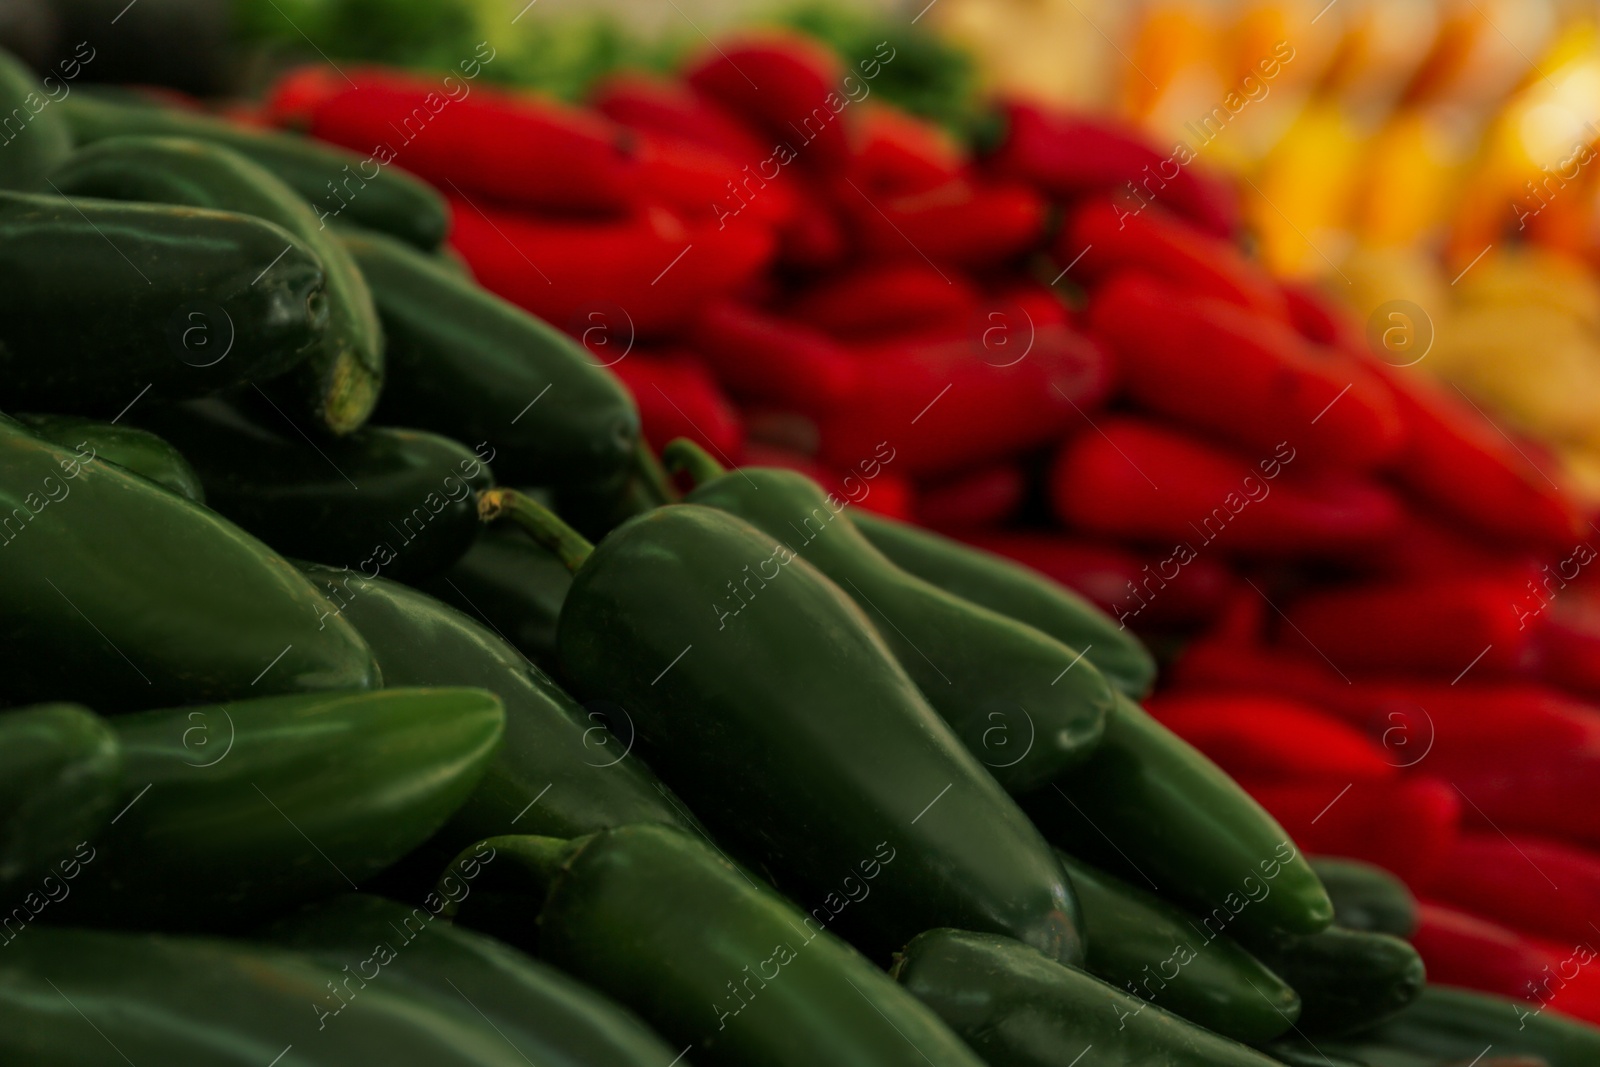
[(790, 88), (145, 587), (986, 497), (1347, 980), (340, 382), (1268, 738), (1217, 985), (815, 239), (670, 108), (1455, 1023), (1466, 728), (1017, 1008), (1407, 826), (238, 793), (1068, 155), (1318, 319), (42, 139), (336, 183), (643, 275), (132, 449), (1016, 591), (299, 91), (657, 920), (1138, 479), (1030, 302), (466, 362), (705, 186), (512, 586), (1567, 638), (1207, 665), (823, 749), (1367, 897), (948, 404), (965, 222), (762, 358), (63, 773), (884, 299), (1423, 543), (543, 1015), (1249, 382), (677, 396), (159, 311), (1099, 245), (484, 141), (1008, 691), (897, 153), (880, 494), (1301, 1052), (1505, 879), (196, 1000), (1464, 950)]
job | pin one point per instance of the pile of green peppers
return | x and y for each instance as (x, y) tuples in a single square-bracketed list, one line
[(325, 740)]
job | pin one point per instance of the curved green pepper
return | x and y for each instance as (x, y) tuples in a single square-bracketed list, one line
[(33, 135), (1017, 1008), (60, 774), (105, 301), (122, 595), (1146, 946), (340, 382), (512, 585), (548, 1018), (1017, 591), (132, 449), (1450, 1024), (1150, 805), (379, 500), (466, 362), (711, 959), (235, 811), (86, 998), (560, 771), (794, 735), (1347, 980), (1025, 705), (336, 183), (1367, 897)]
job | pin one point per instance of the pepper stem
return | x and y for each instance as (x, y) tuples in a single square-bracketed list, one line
[(653, 476), (538, 521), (684, 455)]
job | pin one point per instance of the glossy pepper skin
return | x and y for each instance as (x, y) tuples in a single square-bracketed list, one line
[(1025, 705), (1448, 1023), (1367, 897), (544, 1015), (338, 383), (194, 1000), (1186, 830), (239, 792), (378, 500), (1133, 937), (712, 959), (794, 734), (158, 600), (337, 184), (467, 363), (1017, 1008), (84, 334), (43, 140), (1018, 591), (559, 770), (513, 586), (128, 447), (1348, 980), (60, 774)]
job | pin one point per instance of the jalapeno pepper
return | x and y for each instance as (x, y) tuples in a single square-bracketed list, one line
[(62, 775), (42, 140), (128, 447)]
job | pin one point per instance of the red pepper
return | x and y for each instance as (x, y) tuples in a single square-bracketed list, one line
[(678, 397), (1543, 887), (706, 186), (1319, 320), (949, 405), (1566, 625), (1130, 478), (639, 276), (1406, 825), (1241, 378), (1463, 950), (1269, 739), (986, 497), (669, 108), (898, 153), (1461, 729), (815, 238), (515, 148), (963, 222), (1424, 544), (762, 358), (1210, 664), (1552, 796), (1069, 155), (885, 299), (299, 91), (870, 484)]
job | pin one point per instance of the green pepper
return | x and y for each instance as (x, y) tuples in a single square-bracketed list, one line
[(339, 384), (560, 771), (1020, 592), (105, 302), (232, 812), (122, 595), (379, 500), (33, 135), (513, 586), (793, 733), (1367, 897), (1024, 704), (1016, 1008), (1139, 942), (132, 449), (60, 774), (1151, 807), (1302, 1053), (548, 1018), (336, 183), (466, 362), (1448, 1023), (1347, 979), (87, 998), (720, 965)]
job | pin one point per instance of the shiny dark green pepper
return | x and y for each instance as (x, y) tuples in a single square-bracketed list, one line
[(1347, 980), (1026, 706), (33, 134), (1455, 1024), (130, 448), (722, 966), (122, 595), (512, 585), (793, 734), (60, 775), (1367, 897)]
